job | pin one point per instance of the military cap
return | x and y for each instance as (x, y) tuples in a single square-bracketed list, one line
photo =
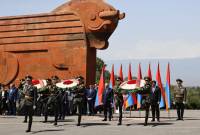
[(118, 79), (154, 81), (146, 78), (28, 77), (79, 78), (48, 80), (54, 77), (179, 80)]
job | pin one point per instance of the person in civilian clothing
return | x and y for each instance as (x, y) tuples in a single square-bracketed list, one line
[(12, 97), (91, 95), (155, 101), (3, 100), (107, 102)]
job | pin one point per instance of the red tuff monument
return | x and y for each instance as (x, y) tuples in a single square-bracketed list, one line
[(62, 43)]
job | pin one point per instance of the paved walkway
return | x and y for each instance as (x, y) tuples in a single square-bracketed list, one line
[(92, 125)]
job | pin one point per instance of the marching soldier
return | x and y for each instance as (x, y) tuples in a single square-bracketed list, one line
[(146, 90), (30, 93), (119, 98), (53, 98), (155, 101), (180, 99), (79, 94)]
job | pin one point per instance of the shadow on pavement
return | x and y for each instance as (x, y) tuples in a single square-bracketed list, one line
[(151, 124), (47, 130), (52, 121), (93, 124)]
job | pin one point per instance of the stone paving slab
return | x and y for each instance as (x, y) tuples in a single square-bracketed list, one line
[(93, 125)]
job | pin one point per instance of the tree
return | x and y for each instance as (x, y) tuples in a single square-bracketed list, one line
[(99, 65)]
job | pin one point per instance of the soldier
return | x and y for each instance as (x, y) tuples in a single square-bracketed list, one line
[(107, 102), (146, 90), (53, 98), (79, 94), (43, 97), (180, 98), (155, 101), (119, 98), (30, 93)]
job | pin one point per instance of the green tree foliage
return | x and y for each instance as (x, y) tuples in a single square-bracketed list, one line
[(99, 65), (193, 98)]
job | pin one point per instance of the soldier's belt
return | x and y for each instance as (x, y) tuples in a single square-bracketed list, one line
[(145, 95)]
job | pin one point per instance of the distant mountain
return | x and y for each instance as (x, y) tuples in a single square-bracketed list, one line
[(187, 69)]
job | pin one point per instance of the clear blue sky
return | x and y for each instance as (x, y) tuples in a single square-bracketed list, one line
[(152, 28)]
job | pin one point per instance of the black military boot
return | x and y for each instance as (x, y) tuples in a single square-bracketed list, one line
[(105, 119), (145, 123), (120, 123), (79, 121), (25, 119), (29, 127), (45, 119)]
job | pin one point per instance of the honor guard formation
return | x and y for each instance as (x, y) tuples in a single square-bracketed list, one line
[(52, 99)]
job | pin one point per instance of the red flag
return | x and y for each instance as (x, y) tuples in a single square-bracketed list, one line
[(121, 73), (139, 77), (112, 77), (129, 73), (100, 88), (149, 72), (159, 83)]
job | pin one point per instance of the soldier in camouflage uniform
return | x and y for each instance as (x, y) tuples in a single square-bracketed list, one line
[(180, 98), (43, 97), (30, 97), (119, 98), (146, 90), (53, 98), (78, 97)]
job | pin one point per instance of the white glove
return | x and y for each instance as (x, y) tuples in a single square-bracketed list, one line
[(184, 102), (89, 98), (158, 103), (7, 101), (34, 107)]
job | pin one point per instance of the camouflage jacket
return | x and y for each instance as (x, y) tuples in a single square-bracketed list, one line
[(30, 94), (180, 94)]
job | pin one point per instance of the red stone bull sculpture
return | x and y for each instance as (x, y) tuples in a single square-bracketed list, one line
[(62, 43)]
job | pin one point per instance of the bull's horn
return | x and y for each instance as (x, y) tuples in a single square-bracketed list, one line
[(122, 16), (108, 14)]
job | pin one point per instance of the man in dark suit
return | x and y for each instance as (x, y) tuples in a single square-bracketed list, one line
[(12, 97), (107, 102), (91, 95), (3, 100), (155, 101)]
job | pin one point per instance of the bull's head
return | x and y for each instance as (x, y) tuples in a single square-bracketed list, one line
[(99, 18)]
